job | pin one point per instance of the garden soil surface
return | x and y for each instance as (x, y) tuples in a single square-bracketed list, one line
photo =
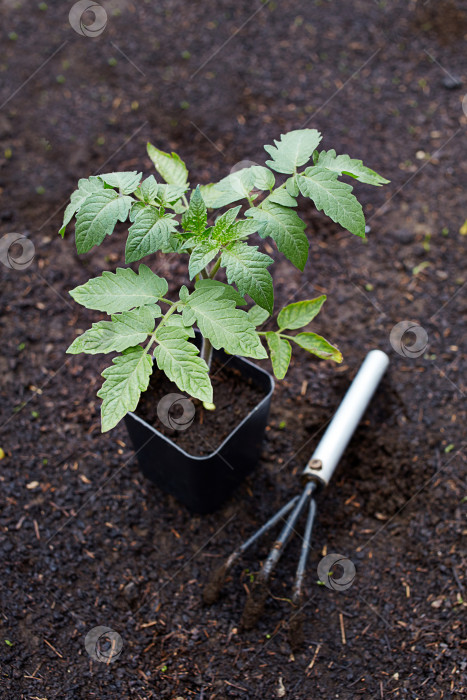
[(234, 397), (85, 540)]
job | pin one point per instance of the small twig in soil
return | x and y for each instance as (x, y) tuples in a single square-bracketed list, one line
[(312, 662), (53, 649), (341, 623)]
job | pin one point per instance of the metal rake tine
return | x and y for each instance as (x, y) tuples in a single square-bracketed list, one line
[(255, 601), (296, 617), (270, 523), (213, 587), (299, 576)]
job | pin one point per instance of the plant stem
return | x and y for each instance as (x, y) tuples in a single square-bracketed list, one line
[(151, 342), (206, 352), (215, 269), (206, 349), (173, 308), (281, 335), (169, 313), (206, 275)]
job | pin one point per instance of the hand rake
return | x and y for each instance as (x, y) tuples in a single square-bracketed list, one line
[(315, 476)]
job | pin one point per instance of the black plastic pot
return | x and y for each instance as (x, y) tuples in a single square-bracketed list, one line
[(204, 483)]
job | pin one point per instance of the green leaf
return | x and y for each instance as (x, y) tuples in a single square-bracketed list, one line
[(318, 346), (86, 187), (178, 359), (247, 268), (183, 293), (176, 320), (173, 246), (201, 256), (286, 228), (125, 182), (242, 228), (241, 181), (97, 218), (186, 245), (148, 190), (169, 166), (264, 179), (233, 188), (195, 218), (283, 198), (121, 291), (168, 195), (178, 207), (226, 229), (215, 198), (150, 232), (224, 325), (228, 292), (293, 150), (335, 198), (124, 381), (67, 217), (292, 187), (136, 208), (281, 352), (344, 165), (300, 313), (257, 315), (124, 331), (224, 223), (210, 195)]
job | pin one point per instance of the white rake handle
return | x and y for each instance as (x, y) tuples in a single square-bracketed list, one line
[(338, 433)]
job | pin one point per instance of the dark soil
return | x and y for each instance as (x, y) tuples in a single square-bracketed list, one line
[(254, 605), (215, 583), (201, 433), (85, 540)]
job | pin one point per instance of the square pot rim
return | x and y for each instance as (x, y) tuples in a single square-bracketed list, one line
[(204, 458)]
